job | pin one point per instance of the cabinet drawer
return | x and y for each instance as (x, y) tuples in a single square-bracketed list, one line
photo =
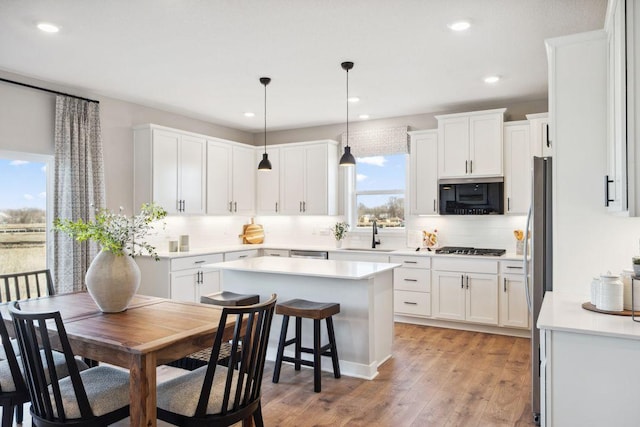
[(411, 279), (413, 303), (194, 261), (411, 261), (232, 256), (276, 252), (511, 267), (465, 265)]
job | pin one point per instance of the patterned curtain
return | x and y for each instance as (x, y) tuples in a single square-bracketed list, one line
[(78, 186), (378, 142)]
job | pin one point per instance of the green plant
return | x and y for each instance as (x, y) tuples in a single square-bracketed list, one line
[(340, 230), (636, 260), (116, 232)]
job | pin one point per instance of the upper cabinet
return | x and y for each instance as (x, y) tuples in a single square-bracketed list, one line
[(231, 170), (308, 178), (539, 134), (268, 183), (423, 177), (470, 144), (169, 169), (517, 167)]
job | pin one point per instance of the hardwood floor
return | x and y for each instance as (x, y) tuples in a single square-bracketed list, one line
[(437, 377)]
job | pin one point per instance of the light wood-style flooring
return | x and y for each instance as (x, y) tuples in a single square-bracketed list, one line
[(437, 377)]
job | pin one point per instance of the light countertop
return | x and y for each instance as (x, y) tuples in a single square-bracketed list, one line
[(562, 312), (353, 270)]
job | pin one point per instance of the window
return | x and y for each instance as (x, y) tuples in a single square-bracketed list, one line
[(379, 194), (24, 181)]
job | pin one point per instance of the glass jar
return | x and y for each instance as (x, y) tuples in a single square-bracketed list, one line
[(595, 284), (626, 275), (611, 295)]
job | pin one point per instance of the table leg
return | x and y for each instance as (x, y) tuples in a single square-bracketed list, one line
[(142, 388)]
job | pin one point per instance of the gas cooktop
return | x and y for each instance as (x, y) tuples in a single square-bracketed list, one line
[(457, 250)]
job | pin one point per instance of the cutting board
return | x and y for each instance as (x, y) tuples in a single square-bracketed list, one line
[(252, 233)]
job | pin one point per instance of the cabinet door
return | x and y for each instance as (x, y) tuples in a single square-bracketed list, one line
[(192, 175), (315, 200), (210, 283), (453, 147), (219, 199), (268, 184), (448, 295), (513, 303), (517, 168), (183, 285), (244, 179), (540, 142), (482, 298), (292, 179), (485, 144), (165, 169), (424, 173)]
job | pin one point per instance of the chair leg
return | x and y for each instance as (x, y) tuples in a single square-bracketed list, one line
[(298, 343), (334, 348), (317, 386), (7, 416), (257, 416), (283, 338), (19, 413)]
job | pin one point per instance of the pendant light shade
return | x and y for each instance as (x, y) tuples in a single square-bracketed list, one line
[(347, 158), (265, 164)]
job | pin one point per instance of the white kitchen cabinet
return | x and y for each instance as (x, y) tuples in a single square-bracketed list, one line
[(465, 290), (513, 301), (412, 285), (423, 176), (541, 145), (236, 255), (517, 167), (268, 183), (308, 178), (470, 144), (181, 278), (284, 253), (169, 169), (231, 172)]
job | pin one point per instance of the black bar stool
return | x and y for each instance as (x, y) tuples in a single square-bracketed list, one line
[(317, 311), (226, 299)]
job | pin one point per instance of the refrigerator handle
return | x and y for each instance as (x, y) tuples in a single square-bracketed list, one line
[(526, 256)]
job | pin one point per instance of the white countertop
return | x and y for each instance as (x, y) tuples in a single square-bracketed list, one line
[(354, 270), (562, 312)]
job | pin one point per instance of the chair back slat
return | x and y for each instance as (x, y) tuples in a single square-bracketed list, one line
[(35, 333), (12, 361), (31, 284), (248, 344)]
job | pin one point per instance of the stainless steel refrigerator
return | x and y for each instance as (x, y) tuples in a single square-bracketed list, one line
[(538, 273)]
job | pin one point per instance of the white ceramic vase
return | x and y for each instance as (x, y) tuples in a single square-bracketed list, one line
[(112, 280), (338, 243)]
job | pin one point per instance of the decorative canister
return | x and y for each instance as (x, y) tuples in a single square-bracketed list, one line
[(626, 283), (611, 295), (595, 285)]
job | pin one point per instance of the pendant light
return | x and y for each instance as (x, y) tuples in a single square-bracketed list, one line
[(347, 158), (265, 164)]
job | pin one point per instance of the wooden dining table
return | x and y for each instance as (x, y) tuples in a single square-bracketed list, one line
[(152, 331)]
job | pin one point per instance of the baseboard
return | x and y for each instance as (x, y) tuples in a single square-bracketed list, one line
[(463, 326)]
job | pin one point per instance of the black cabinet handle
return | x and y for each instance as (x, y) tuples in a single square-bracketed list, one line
[(411, 303), (462, 281), (505, 284), (548, 141), (410, 280), (199, 262), (508, 203), (230, 206), (410, 262), (470, 166), (607, 181), (276, 206), (434, 205), (465, 166)]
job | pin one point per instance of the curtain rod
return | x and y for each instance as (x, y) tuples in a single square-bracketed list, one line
[(55, 92)]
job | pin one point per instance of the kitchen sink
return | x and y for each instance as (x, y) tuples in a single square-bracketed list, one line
[(368, 250)]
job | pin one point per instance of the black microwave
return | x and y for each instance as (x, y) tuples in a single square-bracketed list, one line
[(471, 196)]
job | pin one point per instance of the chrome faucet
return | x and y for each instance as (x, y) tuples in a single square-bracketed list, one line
[(374, 228)]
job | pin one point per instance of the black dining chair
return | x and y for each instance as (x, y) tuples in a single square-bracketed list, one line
[(216, 395), (13, 390), (97, 396), (25, 285)]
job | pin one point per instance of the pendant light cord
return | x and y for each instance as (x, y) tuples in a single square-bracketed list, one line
[(265, 118), (347, 107)]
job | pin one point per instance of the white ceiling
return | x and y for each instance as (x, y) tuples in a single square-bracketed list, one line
[(204, 58)]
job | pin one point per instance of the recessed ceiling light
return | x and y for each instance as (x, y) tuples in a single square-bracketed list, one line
[(363, 116), (492, 79), (353, 99), (48, 27), (459, 25), (249, 114)]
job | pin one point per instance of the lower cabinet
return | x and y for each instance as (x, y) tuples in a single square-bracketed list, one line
[(513, 300), (181, 278), (412, 286), (465, 290)]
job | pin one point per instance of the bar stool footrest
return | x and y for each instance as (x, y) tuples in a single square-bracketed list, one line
[(300, 361)]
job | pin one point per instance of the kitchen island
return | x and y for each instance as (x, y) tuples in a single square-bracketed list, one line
[(364, 290), (589, 365)]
